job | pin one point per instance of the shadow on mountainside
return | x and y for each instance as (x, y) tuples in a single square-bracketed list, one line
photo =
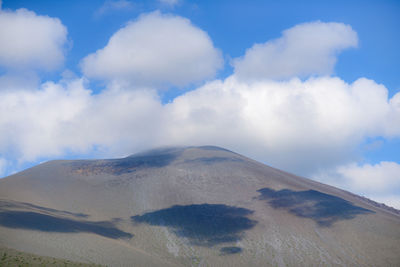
[(202, 224), (211, 160), (49, 220), (9, 204), (151, 159), (324, 209), (230, 250), (214, 148)]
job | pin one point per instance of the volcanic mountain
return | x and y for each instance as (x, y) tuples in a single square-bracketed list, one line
[(187, 206)]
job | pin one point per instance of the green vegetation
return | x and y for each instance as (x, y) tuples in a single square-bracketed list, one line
[(12, 257)]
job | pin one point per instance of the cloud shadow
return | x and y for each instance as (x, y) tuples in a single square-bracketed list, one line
[(230, 250), (323, 208), (212, 160), (214, 148), (202, 224), (32, 217), (152, 159), (23, 205)]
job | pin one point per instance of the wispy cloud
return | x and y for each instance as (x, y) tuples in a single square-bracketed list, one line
[(170, 3), (111, 6)]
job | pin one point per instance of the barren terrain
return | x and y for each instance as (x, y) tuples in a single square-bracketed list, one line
[(191, 206)]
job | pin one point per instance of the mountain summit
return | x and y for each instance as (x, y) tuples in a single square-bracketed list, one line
[(187, 206)]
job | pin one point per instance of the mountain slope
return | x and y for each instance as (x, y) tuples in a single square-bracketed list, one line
[(191, 206)]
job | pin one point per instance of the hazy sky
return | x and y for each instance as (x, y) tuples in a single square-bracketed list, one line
[(311, 87)]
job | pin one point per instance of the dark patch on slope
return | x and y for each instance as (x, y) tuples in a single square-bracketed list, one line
[(9, 204), (230, 250), (151, 159), (160, 151), (202, 224), (323, 208), (215, 148), (212, 160), (31, 220)]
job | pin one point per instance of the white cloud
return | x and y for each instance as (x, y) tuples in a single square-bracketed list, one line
[(3, 162), (30, 120), (109, 6), (65, 116), (380, 182), (155, 49), (391, 200), (299, 126), (23, 80), (28, 40), (393, 121), (372, 178), (294, 125), (303, 50)]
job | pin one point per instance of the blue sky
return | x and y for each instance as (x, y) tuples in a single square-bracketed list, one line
[(311, 87)]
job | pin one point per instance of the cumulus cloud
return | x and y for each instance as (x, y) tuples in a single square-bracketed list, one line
[(296, 125), (392, 200), (31, 119), (3, 162), (302, 126), (29, 41), (372, 178), (23, 80), (303, 50), (66, 116), (392, 126), (380, 181), (155, 49)]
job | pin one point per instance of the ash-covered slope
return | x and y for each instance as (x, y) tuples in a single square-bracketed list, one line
[(191, 206)]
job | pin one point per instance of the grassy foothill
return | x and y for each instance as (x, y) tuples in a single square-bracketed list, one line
[(12, 257)]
